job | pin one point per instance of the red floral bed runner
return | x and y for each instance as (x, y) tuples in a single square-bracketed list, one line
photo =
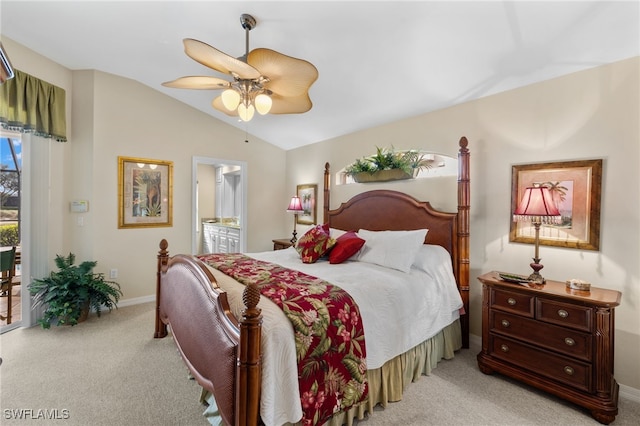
[(329, 336)]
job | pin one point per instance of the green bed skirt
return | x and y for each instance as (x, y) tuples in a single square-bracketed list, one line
[(387, 383)]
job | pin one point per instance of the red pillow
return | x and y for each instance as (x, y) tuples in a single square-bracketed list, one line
[(346, 246), (315, 243)]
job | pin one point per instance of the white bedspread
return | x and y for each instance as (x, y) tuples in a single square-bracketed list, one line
[(399, 310)]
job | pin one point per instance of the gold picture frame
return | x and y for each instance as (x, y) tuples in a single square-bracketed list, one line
[(576, 188), (308, 194), (145, 192)]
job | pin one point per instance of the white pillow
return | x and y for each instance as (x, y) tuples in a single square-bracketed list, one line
[(391, 249), (335, 233), (430, 257)]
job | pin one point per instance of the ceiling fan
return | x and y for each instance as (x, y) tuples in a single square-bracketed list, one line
[(263, 80)]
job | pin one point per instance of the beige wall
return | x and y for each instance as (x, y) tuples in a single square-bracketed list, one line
[(137, 121), (113, 116), (590, 114)]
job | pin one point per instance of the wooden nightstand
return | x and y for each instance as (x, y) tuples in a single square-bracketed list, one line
[(280, 244), (556, 339)]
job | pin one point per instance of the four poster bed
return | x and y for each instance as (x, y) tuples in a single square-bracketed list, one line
[(239, 346)]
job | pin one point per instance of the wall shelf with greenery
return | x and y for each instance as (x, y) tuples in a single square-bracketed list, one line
[(388, 164)]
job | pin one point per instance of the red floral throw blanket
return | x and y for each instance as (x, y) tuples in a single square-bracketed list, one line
[(329, 335)]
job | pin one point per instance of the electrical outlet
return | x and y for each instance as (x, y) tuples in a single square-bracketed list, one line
[(113, 273)]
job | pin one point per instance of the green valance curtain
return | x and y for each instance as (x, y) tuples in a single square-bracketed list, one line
[(28, 104)]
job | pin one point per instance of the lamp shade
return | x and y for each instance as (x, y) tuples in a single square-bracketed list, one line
[(230, 99), (245, 112), (295, 205), (263, 103), (537, 205)]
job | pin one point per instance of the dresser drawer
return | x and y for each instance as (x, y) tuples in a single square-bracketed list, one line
[(566, 341), (574, 316), (565, 370), (517, 303)]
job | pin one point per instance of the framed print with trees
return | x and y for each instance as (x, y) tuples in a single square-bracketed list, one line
[(144, 193), (575, 187), (308, 195)]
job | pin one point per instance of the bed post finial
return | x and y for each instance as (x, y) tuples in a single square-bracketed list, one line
[(463, 144), (163, 259), (249, 374)]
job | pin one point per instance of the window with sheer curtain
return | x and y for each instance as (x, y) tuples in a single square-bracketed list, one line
[(36, 109), (31, 105)]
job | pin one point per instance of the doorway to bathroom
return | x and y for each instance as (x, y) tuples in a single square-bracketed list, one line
[(219, 214)]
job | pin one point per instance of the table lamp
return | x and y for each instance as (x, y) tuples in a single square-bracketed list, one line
[(295, 207), (537, 206)]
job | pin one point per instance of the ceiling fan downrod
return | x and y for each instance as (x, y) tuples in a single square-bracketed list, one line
[(248, 22)]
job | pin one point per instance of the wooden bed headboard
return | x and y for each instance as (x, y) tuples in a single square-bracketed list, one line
[(402, 212)]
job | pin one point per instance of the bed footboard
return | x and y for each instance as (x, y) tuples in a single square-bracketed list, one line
[(222, 354)]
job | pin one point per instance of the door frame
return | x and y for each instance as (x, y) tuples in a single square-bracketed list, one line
[(195, 226)]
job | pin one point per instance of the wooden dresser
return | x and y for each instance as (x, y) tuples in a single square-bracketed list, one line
[(556, 339)]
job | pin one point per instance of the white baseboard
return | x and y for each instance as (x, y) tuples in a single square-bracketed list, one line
[(136, 301), (632, 394), (626, 392)]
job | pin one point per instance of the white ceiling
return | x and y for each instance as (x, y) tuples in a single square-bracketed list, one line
[(378, 61)]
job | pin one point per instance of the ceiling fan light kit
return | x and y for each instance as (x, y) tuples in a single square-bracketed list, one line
[(264, 80)]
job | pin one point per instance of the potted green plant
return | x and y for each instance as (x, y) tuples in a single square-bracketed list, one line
[(69, 293), (387, 164)]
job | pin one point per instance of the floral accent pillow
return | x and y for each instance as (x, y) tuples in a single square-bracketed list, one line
[(315, 243)]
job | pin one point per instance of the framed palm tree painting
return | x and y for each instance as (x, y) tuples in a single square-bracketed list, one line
[(144, 192), (307, 194), (575, 187)]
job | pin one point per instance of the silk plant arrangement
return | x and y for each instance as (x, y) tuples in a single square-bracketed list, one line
[(406, 163), (70, 292)]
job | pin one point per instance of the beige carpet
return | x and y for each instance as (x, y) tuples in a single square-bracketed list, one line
[(110, 371)]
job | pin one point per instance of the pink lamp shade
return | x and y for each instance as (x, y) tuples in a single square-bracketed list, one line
[(537, 205), (295, 206)]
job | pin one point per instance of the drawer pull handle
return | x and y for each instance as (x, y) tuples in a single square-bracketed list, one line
[(505, 323), (562, 313), (504, 348), (511, 301), (568, 370), (569, 341)]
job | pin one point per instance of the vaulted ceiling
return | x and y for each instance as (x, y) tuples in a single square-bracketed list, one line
[(378, 61)]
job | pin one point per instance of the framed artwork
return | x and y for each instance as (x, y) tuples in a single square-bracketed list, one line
[(308, 196), (576, 188), (145, 196)]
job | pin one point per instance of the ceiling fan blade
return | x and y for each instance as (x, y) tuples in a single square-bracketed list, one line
[(288, 76), (213, 58), (217, 104), (290, 104), (198, 82)]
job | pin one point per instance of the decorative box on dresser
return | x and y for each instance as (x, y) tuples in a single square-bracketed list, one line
[(554, 338)]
